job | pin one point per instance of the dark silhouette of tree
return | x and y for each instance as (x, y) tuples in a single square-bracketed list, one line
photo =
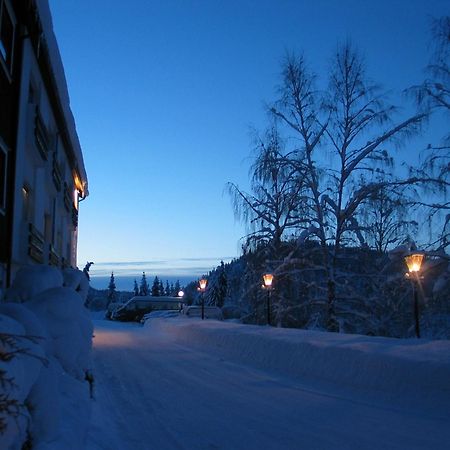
[(144, 288), (156, 287), (111, 289)]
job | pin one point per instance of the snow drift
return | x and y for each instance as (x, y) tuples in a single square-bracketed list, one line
[(408, 371), (50, 337)]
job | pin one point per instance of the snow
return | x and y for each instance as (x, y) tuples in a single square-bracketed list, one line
[(44, 309), (180, 383)]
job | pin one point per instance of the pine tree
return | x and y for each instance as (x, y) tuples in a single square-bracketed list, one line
[(172, 290), (144, 288), (161, 288), (136, 288), (155, 287), (177, 288), (167, 291), (111, 289), (222, 286)]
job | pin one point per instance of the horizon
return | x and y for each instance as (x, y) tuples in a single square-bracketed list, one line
[(125, 272)]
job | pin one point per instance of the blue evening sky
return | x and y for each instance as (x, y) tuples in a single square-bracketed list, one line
[(164, 94)]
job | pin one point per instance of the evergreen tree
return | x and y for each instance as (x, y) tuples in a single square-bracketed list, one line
[(144, 288), (111, 289), (161, 288), (155, 287), (177, 288), (167, 291), (222, 286), (136, 288), (172, 290)]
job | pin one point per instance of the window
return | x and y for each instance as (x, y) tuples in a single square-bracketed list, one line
[(6, 35), (3, 164)]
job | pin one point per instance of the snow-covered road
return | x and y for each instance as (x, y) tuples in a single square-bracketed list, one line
[(153, 393)]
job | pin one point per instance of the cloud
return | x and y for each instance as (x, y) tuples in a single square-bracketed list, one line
[(168, 267)]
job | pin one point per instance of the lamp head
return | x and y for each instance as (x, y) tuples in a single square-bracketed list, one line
[(268, 280), (414, 262), (203, 282)]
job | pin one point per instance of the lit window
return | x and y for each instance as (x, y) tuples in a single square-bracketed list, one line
[(6, 35), (75, 198)]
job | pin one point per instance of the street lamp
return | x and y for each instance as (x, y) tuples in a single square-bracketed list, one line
[(202, 288), (414, 263), (268, 280)]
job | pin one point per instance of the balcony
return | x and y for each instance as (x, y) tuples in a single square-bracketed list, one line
[(41, 136), (56, 174), (35, 244), (53, 258), (67, 198)]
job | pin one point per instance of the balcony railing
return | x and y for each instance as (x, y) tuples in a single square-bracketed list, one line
[(35, 244), (56, 173), (53, 258), (41, 136), (67, 198)]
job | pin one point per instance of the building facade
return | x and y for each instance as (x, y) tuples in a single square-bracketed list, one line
[(42, 173)]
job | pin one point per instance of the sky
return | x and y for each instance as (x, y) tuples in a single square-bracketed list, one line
[(165, 95)]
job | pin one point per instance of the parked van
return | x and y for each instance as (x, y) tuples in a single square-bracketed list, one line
[(135, 308)]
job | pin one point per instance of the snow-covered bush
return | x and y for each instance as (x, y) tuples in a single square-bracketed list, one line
[(45, 348)]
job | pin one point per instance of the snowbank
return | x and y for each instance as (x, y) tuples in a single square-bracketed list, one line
[(395, 369), (47, 330)]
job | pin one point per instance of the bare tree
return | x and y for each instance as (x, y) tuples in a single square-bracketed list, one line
[(431, 179), (352, 125), (385, 219), (274, 206)]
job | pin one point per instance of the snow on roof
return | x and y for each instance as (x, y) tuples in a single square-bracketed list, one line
[(63, 93)]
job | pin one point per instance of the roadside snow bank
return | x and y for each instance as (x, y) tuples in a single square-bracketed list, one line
[(415, 370), (47, 332)]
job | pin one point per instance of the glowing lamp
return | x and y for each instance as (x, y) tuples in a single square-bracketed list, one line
[(268, 279), (180, 294), (414, 262), (202, 284)]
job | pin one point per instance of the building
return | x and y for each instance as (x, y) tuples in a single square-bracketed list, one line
[(42, 173)]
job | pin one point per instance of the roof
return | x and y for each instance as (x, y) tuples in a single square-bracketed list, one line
[(61, 85)]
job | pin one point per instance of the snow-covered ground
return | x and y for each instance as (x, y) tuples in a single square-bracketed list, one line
[(188, 384)]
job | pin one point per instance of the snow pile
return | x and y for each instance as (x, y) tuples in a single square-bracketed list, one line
[(407, 370), (45, 325)]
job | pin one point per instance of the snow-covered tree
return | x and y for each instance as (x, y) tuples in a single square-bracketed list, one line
[(156, 287), (431, 180), (135, 288), (273, 207), (352, 126), (111, 289), (176, 288), (144, 288), (167, 291)]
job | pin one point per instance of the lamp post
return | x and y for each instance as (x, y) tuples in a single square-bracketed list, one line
[(414, 263), (268, 280), (202, 288)]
